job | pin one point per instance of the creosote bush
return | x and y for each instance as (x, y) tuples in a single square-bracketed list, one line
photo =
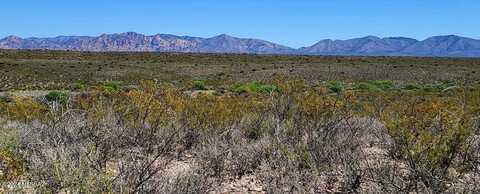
[(79, 85), (199, 85), (110, 87), (375, 86), (254, 87), (335, 86), (57, 96), (431, 136)]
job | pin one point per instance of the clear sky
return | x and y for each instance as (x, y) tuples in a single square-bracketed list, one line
[(293, 23)]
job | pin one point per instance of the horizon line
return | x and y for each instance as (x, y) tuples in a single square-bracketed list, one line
[(234, 36)]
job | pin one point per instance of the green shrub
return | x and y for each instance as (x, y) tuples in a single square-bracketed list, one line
[(267, 89), (57, 96), (199, 85), (375, 86), (335, 86), (110, 87), (79, 86), (412, 87), (254, 87), (383, 84), (239, 88), (366, 87)]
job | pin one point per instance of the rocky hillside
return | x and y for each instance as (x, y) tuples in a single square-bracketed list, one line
[(370, 45), (447, 46), (131, 41)]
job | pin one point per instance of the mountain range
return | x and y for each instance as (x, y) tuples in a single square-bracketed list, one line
[(442, 46)]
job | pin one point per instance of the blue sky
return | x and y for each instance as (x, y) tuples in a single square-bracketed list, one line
[(293, 23)]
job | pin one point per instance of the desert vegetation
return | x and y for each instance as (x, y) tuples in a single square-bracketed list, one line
[(61, 70), (285, 133)]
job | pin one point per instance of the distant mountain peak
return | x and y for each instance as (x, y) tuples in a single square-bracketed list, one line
[(371, 37), (130, 33), (400, 38), (448, 36), (12, 37), (445, 45), (223, 36)]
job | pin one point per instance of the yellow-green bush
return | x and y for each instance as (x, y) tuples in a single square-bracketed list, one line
[(11, 163), (24, 109), (430, 134), (12, 166)]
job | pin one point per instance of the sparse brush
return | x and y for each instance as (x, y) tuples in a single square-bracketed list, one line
[(289, 136)]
